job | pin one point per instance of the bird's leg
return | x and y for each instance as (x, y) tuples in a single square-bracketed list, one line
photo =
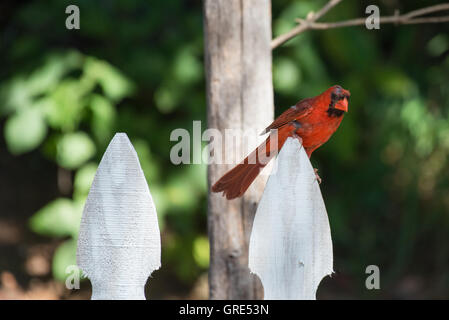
[(295, 135), (317, 176), (297, 125)]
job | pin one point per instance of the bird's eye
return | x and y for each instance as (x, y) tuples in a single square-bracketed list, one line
[(333, 96), (338, 90)]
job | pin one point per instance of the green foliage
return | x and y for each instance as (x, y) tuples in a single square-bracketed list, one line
[(137, 67), (83, 180), (65, 255), (133, 75), (113, 83), (438, 45), (287, 75), (201, 251), (73, 149), (103, 117), (57, 101), (58, 218), (386, 168), (25, 130)]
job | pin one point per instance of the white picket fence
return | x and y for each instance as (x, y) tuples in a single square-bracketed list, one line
[(290, 246), (119, 242)]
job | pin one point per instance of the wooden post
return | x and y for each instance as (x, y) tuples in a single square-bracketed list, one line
[(119, 243), (291, 244), (240, 96)]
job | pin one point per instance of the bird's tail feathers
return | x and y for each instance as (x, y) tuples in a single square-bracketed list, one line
[(237, 180)]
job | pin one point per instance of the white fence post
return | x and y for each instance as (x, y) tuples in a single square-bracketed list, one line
[(119, 243), (291, 245)]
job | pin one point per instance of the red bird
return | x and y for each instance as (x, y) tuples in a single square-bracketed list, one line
[(312, 121)]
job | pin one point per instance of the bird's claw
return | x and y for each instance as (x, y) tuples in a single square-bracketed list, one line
[(294, 135), (317, 176)]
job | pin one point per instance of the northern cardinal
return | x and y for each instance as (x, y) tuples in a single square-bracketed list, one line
[(312, 121)]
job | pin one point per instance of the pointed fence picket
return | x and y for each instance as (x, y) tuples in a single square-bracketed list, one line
[(119, 243), (291, 246)]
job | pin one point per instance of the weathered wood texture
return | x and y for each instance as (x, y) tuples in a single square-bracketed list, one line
[(119, 243), (240, 96), (291, 245)]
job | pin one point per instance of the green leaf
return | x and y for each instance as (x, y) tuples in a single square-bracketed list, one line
[(73, 149), (83, 180), (25, 131), (64, 110), (438, 45), (59, 218), (201, 251), (187, 69), (393, 82), (179, 193), (64, 256), (115, 85), (103, 117), (287, 75), (166, 98), (15, 95), (51, 72), (147, 162), (198, 176)]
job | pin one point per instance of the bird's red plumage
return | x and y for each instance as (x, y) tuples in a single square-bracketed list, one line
[(314, 120)]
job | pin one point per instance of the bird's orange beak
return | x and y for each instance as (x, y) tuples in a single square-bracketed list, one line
[(342, 105)]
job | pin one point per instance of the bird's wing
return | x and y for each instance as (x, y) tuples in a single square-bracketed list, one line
[(297, 112)]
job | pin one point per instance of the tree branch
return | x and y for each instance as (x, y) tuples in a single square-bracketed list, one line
[(413, 17), (325, 9), (311, 18)]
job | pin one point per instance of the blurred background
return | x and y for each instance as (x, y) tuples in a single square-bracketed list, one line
[(136, 66)]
